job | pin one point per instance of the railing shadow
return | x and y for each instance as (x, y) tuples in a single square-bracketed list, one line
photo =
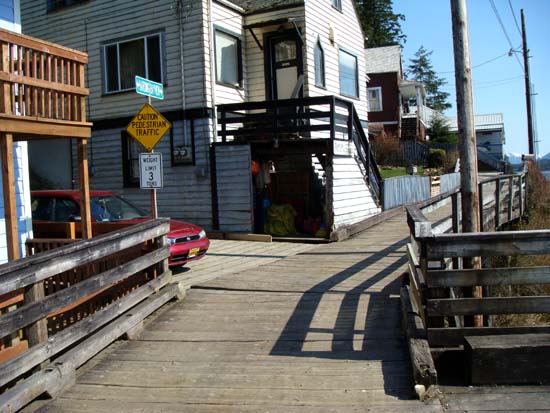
[(381, 339)]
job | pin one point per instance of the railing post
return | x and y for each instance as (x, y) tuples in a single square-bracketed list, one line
[(224, 125), (332, 119), (481, 227), (520, 178), (510, 198), (456, 222), (37, 332), (350, 121), (497, 204)]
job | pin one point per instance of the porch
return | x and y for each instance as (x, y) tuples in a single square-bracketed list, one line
[(317, 155)]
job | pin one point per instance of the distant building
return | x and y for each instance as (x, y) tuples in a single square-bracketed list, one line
[(396, 105), (490, 139)]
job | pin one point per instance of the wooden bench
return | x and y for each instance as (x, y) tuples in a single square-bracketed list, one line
[(508, 359)]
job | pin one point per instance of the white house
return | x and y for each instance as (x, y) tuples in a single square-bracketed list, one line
[(280, 83)]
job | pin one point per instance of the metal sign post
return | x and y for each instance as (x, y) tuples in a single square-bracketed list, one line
[(148, 127)]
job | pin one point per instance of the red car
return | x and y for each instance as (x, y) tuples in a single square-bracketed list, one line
[(188, 242)]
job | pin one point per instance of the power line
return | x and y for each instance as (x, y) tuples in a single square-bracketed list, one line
[(497, 14), (514, 15), (479, 64)]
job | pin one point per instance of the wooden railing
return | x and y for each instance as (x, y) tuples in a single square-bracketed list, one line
[(43, 88), (325, 117), (78, 298), (438, 281)]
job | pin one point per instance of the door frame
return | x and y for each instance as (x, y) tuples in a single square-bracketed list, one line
[(269, 40)]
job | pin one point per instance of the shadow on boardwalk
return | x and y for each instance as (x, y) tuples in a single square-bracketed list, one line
[(383, 305)]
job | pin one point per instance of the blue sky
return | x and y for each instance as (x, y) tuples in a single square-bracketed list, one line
[(498, 84)]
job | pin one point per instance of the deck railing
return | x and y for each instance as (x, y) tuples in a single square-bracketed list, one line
[(439, 282), (43, 87), (78, 298), (325, 117)]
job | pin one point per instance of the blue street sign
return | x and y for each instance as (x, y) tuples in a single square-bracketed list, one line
[(149, 88)]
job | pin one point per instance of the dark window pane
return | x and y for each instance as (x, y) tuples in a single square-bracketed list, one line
[(112, 68), (132, 62), (153, 58), (319, 66)]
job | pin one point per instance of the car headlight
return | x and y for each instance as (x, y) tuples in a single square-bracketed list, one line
[(202, 234), (171, 241)]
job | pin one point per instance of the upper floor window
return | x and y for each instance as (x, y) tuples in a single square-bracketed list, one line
[(228, 59), (319, 55), (337, 4), (124, 60), (52, 5), (375, 99), (347, 64)]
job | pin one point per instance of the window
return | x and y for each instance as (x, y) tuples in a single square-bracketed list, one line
[(228, 59), (375, 99), (347, 64), (125, 59), (52, 5), (319, 55), (130, 160), (337, 4)]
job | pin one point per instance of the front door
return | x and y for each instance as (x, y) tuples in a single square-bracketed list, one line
[(284, 64)]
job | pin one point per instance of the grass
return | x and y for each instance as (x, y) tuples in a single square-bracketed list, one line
[(393, 171)]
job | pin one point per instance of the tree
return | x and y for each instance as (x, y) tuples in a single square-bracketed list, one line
[(421, 70), (381, 25), (439, 131)]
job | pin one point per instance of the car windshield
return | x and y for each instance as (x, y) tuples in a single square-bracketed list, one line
[(111, 208)]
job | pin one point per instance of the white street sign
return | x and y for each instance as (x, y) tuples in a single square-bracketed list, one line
[(150, 170)]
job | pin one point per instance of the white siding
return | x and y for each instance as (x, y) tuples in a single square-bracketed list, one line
[(186, 194), (321, 17), (351, 197), (89, 25), (231, 21)]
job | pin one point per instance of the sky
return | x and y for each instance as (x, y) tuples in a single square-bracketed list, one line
[(499, 84)]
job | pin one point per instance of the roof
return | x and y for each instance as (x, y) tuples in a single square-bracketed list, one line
[(258, 5), (385, 59), (493, 121)]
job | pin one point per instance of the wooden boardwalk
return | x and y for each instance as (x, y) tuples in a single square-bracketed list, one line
[(282, 328)]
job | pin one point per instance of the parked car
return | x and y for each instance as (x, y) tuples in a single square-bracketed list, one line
[(188, 242)]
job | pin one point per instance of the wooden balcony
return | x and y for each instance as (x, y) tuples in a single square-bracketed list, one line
[(43, 89)]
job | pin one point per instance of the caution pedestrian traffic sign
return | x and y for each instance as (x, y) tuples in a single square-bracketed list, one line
[(148, 127)]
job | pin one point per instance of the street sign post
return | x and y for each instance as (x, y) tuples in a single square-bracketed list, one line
[(150, 170), (149, 88), (148, 127)]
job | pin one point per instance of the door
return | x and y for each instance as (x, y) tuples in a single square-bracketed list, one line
[(234, 187), (284, 64)]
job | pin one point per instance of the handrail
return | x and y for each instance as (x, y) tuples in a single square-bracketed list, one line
[(73, 290)]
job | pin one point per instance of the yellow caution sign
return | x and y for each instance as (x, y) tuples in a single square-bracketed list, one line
[(148, 127)]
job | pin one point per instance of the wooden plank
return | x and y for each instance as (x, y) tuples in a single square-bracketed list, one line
[(43, 46), (84, 189), (37, 331), (44, 127), (508, 359), (33, 269), (488, 305), (455, 336), (423, 367), (52, 380), (488, 244), (488, 276), (63, 339), (37, 310), (24, 80), (8, 190)]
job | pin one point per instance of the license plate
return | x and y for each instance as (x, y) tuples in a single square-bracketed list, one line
[(193, 252)]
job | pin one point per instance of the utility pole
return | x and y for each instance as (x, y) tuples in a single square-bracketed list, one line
[(527, 87), (467, 133)]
